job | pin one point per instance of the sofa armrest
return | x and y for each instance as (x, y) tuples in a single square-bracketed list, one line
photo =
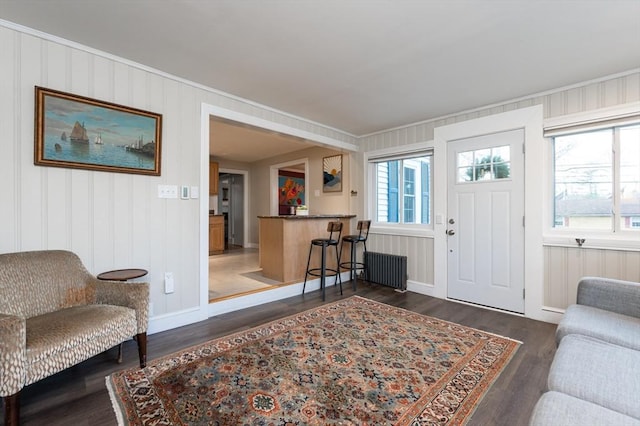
[(622, 297), (134, 295), (13, 353)]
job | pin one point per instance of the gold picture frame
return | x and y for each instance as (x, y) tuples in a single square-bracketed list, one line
[(82, 133), (332, 173)]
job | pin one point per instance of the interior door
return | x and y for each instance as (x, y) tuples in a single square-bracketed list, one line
[(485, 226)]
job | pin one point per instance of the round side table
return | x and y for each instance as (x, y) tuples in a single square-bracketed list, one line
[(122, 275)]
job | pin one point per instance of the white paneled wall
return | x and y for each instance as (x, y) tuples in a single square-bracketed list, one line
[(419, 252), (558, 289), (116, 220), (111, 220), (564, 266)]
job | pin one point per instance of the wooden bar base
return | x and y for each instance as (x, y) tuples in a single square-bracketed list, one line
[(284, 244)]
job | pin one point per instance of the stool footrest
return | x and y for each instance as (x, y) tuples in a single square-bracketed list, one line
[(317, 272), (348, 265)]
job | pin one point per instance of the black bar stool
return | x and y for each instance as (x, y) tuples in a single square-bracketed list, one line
[(361, 237), (323, 271)]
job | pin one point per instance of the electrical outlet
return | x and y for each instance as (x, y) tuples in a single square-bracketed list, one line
[(168, 282)]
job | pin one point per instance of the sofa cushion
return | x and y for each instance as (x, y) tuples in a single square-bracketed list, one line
[(555, 408), (63, 338), (614, 328), (597, 372)]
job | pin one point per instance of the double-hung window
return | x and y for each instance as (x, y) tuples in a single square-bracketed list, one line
[(596, 178), (402, 186)]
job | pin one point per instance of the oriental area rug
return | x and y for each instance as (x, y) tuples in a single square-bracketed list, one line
[(351, 362)]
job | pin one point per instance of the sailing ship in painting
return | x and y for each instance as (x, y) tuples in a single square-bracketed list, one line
[(79, 133), (84, 144), (139, 147)]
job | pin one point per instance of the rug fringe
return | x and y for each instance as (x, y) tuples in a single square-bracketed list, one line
[(114, 402)]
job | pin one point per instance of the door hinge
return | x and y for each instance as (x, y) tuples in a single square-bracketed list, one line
[(524, 150), (523, 291), (523, 221)]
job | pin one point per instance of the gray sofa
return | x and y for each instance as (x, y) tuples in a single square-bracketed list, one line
[(595, 375)]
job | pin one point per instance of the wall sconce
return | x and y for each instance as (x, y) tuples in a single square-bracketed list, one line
[(580, 241)]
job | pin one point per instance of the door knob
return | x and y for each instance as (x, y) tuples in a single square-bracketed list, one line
[(451, 232)]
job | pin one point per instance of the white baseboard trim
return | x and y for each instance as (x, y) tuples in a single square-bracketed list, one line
[(255, 299), (421, 288), (175, 319), (548, 314)]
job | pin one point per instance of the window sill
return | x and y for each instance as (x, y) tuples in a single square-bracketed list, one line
[(418, 231), (626, 243)]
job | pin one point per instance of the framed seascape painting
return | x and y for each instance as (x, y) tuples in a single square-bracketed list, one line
[(332, 173), (82, 133)]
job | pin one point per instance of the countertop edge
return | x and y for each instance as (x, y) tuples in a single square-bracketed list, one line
[(315, 216)]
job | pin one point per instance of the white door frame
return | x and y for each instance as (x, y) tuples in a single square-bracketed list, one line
[(530, 119), (207, 110)]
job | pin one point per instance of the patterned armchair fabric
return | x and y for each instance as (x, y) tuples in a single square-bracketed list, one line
[(55, 314)]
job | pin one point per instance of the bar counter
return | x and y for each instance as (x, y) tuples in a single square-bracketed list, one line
[(285, 240)]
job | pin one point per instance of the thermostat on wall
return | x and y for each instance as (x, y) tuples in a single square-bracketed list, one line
[(184, 192)]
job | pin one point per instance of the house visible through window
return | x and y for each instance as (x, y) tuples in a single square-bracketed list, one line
[(403, 189), (597, 179)]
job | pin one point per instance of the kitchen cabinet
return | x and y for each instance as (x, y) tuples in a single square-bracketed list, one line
[(213, 178), (216, 234)]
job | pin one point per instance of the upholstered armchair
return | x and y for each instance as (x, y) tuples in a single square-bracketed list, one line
[(55, 314)]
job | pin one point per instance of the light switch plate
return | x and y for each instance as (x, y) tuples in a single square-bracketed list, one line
[(195, 192), (167, 191)]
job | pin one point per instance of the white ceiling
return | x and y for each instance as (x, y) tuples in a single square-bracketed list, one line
[(233, 141), (357, 65)]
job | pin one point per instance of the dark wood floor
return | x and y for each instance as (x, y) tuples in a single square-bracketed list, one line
[(78, 396)]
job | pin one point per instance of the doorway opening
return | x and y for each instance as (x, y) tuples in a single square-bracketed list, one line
[(231, 206), (235, 271), (239, 140), (288, 186)]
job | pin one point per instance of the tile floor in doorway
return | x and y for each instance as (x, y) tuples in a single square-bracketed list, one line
[(236, 272)]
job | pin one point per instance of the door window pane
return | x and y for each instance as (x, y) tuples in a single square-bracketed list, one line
[(484, 164)]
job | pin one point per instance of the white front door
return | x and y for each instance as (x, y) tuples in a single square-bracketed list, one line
[(485, 226)]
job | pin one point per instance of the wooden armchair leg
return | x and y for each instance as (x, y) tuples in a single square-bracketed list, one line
[(141, 338), (12, 409)]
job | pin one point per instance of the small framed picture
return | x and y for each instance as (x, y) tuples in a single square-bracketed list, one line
[(332, 173), (82, 133)]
